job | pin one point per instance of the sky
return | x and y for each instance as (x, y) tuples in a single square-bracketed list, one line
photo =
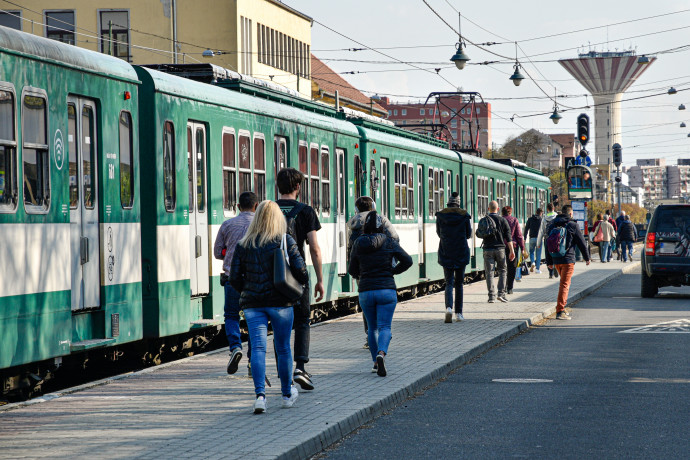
[(409, 31)]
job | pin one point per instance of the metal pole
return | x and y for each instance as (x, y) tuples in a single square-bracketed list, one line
[(110, 38), (618, 172)]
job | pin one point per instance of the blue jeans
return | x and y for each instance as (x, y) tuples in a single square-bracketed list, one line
[(232, 318), (454, 279), (627, 249), (378, 306), (281, 320), (604, 247), (609, 252), (534, 253)]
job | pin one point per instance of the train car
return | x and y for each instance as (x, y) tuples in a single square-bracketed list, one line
[(70, 277)]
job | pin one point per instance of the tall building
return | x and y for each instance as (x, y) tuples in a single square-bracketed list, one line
[(411, 115), (262, 38)]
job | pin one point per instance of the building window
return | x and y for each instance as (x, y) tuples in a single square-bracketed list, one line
[(454, 134), (421, 111), (246, 44), (390, 112), (11, 19), (404, 111), (260, 168), (8, 153), (395, 112), (35, 158), (115, 33), (454, 123), (229, 172), (126, 161), (169, 192), (60, 26), (478, 110)]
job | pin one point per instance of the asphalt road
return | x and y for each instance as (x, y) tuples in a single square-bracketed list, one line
[(606, 393)]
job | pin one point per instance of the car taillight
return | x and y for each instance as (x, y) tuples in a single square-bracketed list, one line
[(649, 244)]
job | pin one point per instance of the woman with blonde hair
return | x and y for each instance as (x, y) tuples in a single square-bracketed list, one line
[(251, 275)]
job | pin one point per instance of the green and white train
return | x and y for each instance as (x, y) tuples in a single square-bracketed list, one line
[(114, 180)]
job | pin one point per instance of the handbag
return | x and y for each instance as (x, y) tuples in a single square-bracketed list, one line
[(524, 269), (283, 279), (599, 235)]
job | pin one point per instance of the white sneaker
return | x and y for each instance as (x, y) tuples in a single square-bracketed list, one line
[(459, 317), (260, 405), (538, 272), (449, 315), (289, 402)]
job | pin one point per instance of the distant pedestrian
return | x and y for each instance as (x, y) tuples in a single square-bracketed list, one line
[(230, 233), (603, 234), (454, 228), (304, 222), (619, 221), (612, 243), (627, 235), (531, 233), (251, 275), (518, 246), (563, 259), (495, 245), (541, 238), (375, 259), (364, 205)]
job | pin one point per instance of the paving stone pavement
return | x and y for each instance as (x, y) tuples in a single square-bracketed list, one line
[(192, 408)]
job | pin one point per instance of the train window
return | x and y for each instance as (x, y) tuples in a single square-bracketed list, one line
[(280, 156), (384, 187), (245, 164), (340, 154), (325, 181), (35, 156), (8, 153), (314, 177), (126, 162), (491, 189), (229, 172), (465, 196), (449, 175), (470, 195), (397, 187), (457, 183), (410, 191), (88, 144), (260, 168), (357, 168), (441, 189), (200, 139), (372, 184), (403, 190), (169, 175), (304, 169), (190, 168), (432, 210), (72, 147)]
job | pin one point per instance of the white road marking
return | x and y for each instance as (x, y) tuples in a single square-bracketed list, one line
[(679, 326), (522, 380)]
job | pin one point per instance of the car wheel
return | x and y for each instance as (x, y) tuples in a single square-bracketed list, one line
[(648, 286)]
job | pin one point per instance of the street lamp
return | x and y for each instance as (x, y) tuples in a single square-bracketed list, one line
[(517, 77), (555, 116), (460, 58)]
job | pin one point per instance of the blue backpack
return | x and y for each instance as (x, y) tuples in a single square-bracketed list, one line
[(555, 242)]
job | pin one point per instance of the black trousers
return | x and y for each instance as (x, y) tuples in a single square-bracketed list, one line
[(302, 319), (511, 271)]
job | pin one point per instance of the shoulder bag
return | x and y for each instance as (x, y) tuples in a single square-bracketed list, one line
[(283, 280)]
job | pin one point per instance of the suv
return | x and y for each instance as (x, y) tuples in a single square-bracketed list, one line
[(666, 255)]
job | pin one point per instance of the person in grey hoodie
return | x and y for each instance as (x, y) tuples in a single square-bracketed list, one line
[(541, 238), (355, 225)]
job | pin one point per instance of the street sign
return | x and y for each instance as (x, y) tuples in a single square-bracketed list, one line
[(587, 161)]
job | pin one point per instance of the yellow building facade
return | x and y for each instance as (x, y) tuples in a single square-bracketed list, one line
[(262, 38)]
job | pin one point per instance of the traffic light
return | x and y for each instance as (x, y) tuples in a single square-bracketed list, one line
[(617, 154), (583, 129), (584, 153)]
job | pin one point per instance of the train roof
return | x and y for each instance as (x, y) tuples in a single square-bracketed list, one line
[(485, 163), (392, 139), (64, 55), (273, 105)]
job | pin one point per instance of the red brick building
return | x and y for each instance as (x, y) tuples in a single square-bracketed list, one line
[(458, 115)]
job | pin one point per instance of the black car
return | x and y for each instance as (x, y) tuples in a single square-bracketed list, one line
[(666, 255)]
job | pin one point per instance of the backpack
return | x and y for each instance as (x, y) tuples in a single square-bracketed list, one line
[(486, 227), (290, 219), (555, 242)]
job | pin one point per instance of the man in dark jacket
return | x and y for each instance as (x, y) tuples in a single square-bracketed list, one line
[(619, 221), (495, 254), (566, 265), (627, 235), (454, 228), (531, 234)]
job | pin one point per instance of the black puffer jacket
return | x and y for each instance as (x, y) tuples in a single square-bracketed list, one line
[(627, 231), (251, 274), (372, 259), (454, 228)]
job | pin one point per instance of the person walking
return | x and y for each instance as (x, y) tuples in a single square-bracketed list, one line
[(303, 221), (531, 233), (454, 228), (374, 260), (603, 234), (518, 243), (619, 221), (229, 234), (495, 246), (612, 242), (251, 274), (364, 205), (565, 263), (541, 237), (627, 235)]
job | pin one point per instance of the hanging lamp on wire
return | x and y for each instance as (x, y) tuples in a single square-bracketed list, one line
[(555, 116), (460, 58), (517, 77)]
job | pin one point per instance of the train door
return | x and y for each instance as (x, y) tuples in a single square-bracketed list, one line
[(420, 213), (83, 197), (198, 217), (340, 211)]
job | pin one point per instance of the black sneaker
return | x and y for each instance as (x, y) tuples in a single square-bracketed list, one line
[(510, 291), (563, 315), (503, 299), (303, 379), (366, 344), (380, 366), (234, 362)]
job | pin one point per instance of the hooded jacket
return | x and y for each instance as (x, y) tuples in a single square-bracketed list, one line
[(548, 218), (372, 261), (573, 237), (532, 226), (454, 228), (627, 231), (356, 224)]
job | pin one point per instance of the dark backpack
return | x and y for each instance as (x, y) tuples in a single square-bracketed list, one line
[(486, 228), (290, 219), (556, 242)]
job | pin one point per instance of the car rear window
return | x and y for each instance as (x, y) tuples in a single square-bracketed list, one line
[(673, 220)]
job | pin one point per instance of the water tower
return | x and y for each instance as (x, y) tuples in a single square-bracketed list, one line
[(607, 75)]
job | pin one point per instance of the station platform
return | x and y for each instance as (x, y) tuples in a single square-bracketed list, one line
[(193, 409)]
